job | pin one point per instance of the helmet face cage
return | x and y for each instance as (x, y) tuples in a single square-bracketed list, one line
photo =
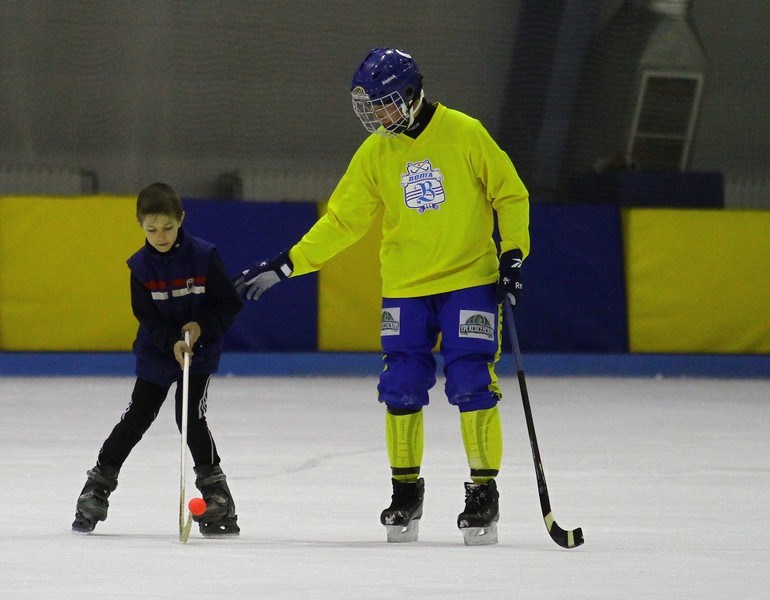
[(386, 90), (389, 115)]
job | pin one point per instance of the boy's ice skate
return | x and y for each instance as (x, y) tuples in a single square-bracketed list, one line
[(402, 517), (92, 503), (478, 522), (220, 519)]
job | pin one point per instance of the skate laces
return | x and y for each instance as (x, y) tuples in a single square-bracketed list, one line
[(478, 497), (406, 493), (475, 497)]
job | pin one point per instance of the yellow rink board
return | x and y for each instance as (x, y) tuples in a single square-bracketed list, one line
[(698, 280), (350, 296), (65, 282)]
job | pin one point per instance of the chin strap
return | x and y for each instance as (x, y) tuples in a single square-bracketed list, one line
[(415, 107)]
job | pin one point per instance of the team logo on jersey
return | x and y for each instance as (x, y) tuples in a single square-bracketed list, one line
[(390, 322), (190, 284), (422, 185), (477, 324)]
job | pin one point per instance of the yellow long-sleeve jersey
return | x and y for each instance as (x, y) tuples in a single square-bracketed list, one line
[(439, 193)]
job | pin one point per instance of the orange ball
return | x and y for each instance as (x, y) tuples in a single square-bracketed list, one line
[(197, 506)]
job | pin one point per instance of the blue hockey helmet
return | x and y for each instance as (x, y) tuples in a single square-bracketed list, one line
[(387, 91)]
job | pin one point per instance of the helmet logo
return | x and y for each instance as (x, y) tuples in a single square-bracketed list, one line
[(422, 185), (387, 80)]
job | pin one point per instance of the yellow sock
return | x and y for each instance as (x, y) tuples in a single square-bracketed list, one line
[(404, 438), (483, 441)]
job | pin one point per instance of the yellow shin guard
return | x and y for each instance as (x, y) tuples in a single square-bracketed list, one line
[(404, 438), (483, 440)]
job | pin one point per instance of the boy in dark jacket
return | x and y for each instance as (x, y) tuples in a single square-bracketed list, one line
[(178, 284)]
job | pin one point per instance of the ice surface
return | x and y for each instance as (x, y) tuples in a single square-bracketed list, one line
[(669, 479)]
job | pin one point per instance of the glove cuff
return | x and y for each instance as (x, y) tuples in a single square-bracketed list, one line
[(284, 267), (512, 258)]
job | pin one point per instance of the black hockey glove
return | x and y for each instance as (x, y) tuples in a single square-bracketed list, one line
[(509, 283), (259, 278)]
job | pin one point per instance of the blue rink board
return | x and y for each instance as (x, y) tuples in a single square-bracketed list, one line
[(48, 364)]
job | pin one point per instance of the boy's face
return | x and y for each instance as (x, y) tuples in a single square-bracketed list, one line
[(161, 230)]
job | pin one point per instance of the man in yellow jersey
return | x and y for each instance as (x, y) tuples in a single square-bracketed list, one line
[(438, 178)]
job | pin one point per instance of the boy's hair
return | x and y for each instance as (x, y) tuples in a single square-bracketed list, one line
[(158, 199)]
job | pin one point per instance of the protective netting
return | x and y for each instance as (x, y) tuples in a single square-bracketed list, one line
[(643, 77), (185, 91), (640, 90), (198, 93)]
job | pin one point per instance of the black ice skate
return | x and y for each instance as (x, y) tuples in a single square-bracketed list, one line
[(220, 519), (478, 522), (92, 503), (402, 517)]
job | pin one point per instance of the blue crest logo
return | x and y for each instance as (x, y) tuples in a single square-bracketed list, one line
[(422, 185)]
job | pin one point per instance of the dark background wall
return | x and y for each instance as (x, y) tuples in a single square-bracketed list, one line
[(181, 91), (184, 91)]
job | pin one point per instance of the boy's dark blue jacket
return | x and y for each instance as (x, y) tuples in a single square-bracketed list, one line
[(187, 283)]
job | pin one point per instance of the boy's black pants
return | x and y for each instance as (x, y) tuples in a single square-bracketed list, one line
[(146, 400)]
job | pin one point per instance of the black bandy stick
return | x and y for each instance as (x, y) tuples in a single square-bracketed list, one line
[(565, 539)]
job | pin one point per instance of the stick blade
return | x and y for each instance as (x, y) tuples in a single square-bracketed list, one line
[(566, 539), (184, 530)]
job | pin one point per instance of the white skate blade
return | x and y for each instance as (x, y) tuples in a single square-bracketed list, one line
[(403, 533), (480, 536)]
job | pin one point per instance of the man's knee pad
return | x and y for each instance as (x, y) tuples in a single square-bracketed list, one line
[(405, 382), (471, 402), (471, 384)]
